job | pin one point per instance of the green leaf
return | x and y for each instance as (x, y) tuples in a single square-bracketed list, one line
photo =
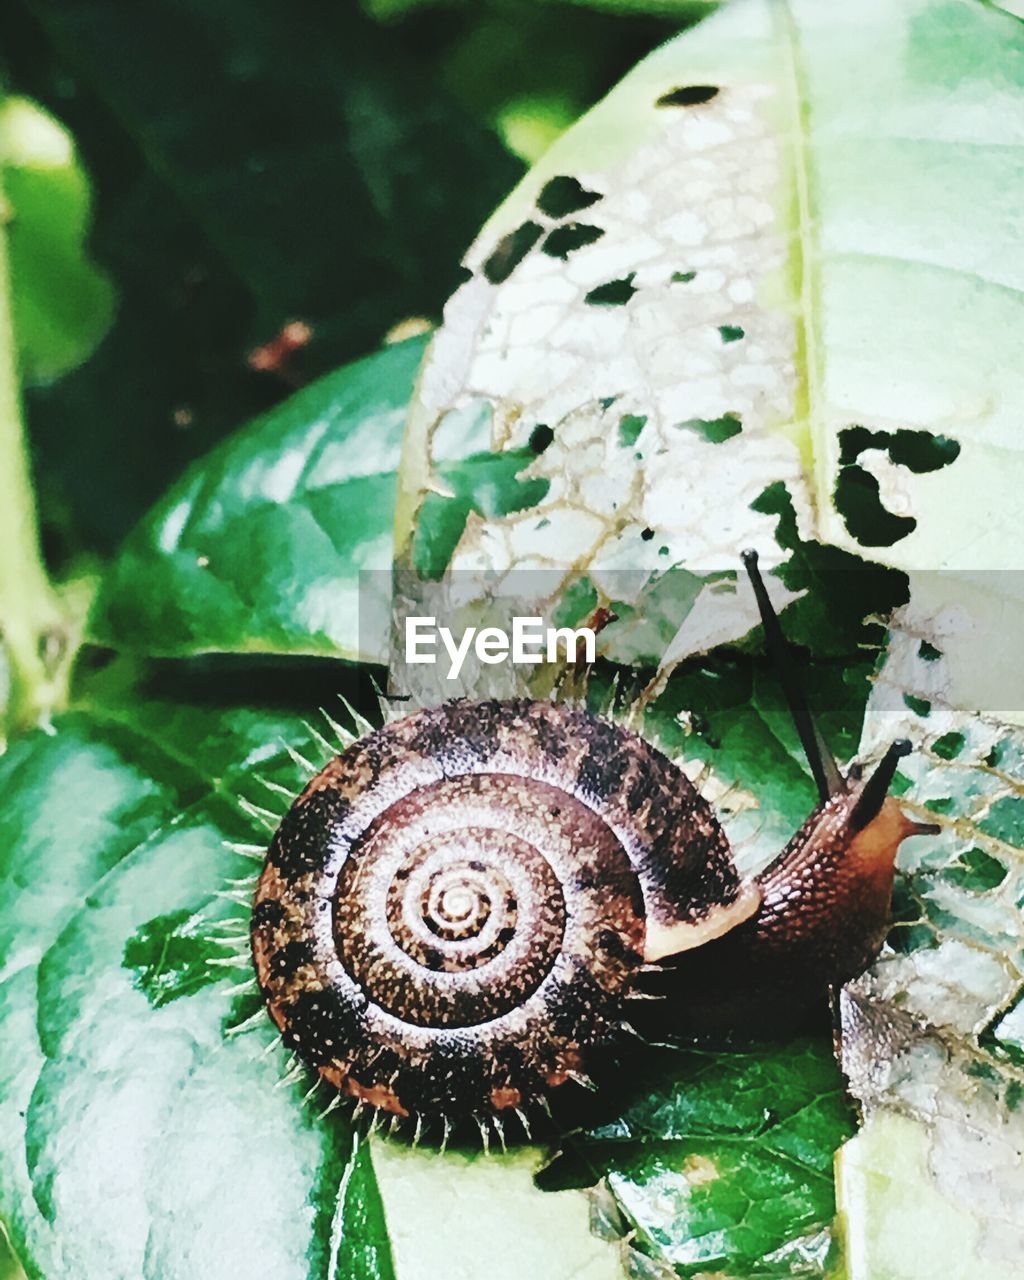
[(275, 541), (724, 1161), (148, 1123), (62, 303), (731, 715), (9, 1267), (137, 1131), (944, 272), (363, 1248), (485, 484), (280, 541)]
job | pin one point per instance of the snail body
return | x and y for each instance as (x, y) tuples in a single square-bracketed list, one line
[(459, 911)]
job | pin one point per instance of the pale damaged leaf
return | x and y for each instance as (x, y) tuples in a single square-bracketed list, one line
[(933, 1036), (462, 1215), (631, 326), (784, 249)]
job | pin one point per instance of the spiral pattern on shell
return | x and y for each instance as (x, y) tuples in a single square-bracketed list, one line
[(451, 914)]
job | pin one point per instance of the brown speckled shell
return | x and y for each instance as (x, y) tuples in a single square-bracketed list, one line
[(451, 914)]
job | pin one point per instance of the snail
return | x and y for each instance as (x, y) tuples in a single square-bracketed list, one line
[(460, 910)]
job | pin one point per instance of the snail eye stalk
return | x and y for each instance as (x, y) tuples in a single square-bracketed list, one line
[(869, 803), (827, 777), (874, 791)]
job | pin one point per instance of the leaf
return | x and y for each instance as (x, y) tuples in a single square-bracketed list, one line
[(318, 177), (463, 1215), (726, 204), (280, 541), (361, 1246), (130, 1116), (145, 1129), (944, 272), (932, 1034), (724, 1160), (595, 341), (9, 1268), (62, 303), (921, 1232), (944, 1057), (277, 540), (728, 718)]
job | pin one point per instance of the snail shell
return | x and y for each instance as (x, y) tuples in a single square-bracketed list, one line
[(452, 912)]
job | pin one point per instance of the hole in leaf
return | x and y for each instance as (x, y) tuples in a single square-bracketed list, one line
[(171, 957), (1005, 820), (540, 437), (928, 651), (574, 235), (857, 492), (511, 250), (691, 95), (900, 784), (630, 426), (579, 600), (858, 500), (949, 746), (683, 277), (486, 483), (995, 757), (910, 932), (616, 293), (906, 938), (714, 430), (730, 332), (919, 706), (564, 195), (919, 451), (975, 869), (841, 591), (943, 805)]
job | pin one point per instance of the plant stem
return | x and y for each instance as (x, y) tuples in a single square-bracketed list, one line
[(31, 619)]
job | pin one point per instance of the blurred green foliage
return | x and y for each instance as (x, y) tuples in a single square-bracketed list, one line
[(256, 165), (61, 304)]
